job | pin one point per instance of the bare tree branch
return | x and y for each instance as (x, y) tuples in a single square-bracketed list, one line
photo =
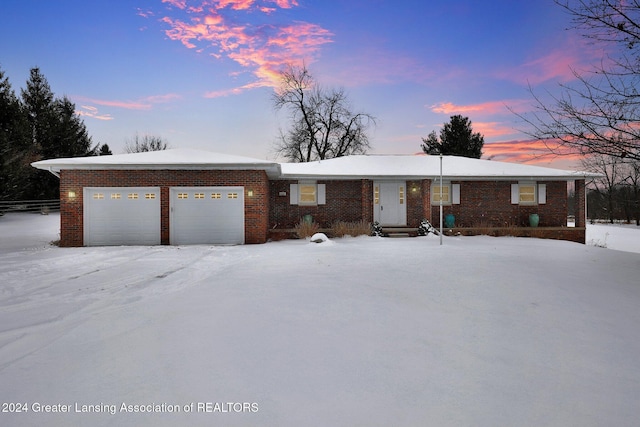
[(322, 123)]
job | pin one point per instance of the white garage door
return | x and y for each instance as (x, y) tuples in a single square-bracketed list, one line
[(121, 216), (207, 215)]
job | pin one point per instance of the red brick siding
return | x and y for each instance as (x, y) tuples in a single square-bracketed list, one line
[(488, 203), (345, 201), (415, 203), (71, 212)]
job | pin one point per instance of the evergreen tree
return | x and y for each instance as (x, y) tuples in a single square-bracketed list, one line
[(70, 134), (104, 150), (56, 131), (14, 141), (456, 138)]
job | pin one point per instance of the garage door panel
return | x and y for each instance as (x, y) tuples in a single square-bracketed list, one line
[(207, 215), (122, 216)]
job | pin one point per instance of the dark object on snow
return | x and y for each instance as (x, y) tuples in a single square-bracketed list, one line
[(376, 229), (426, 228)]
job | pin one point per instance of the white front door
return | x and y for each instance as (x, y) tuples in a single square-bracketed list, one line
[(389, 202)]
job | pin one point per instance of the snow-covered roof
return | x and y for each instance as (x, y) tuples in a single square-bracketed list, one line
[(165, 159), (421, 166), (348, 167)]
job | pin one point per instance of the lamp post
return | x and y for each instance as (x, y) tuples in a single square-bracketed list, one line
[(440, 199)]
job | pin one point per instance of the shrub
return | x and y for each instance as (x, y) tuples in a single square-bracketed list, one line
[(306, 229), (353, 229)]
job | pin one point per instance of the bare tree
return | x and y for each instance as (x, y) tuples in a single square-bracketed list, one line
[(146, 143), (322, 123), (611, 170), (600, 112), (631, 181)]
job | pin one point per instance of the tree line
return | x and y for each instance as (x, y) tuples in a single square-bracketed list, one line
[(34, 126)]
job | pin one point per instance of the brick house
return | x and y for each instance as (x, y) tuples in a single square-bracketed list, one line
[(197, 197)]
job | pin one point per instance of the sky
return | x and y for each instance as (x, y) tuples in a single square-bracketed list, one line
[(201, 73)]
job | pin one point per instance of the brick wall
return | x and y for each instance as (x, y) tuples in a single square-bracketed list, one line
[(345, 201), (482, 203), (256, 208), (488, 203)]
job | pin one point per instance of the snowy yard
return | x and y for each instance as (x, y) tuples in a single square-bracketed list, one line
[(367, 331)]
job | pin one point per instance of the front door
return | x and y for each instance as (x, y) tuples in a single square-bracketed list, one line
[(389, 202)]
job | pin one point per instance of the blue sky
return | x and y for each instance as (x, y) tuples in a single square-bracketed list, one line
[(200, 74)]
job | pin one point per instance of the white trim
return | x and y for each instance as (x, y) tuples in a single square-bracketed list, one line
[(322, 194), (542, 194), (455, 194), (515, 194)]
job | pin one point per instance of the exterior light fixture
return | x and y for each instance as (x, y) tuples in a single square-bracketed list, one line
[(250, 193), (71, 194)]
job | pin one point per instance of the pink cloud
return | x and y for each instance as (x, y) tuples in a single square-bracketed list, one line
[(263, 49), (534, 151), (92, 112), (450, 108), (88, 110), (180, 4), (558, 64), (127, 105)]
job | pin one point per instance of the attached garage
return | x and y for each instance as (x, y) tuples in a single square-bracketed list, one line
[(121, 216), (206, 215)]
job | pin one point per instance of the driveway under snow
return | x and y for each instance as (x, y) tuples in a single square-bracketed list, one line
[(364, 331)]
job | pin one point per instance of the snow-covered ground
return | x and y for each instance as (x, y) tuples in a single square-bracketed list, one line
[(367, 331)]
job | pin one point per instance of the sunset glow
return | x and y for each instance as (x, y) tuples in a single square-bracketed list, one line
[(200, 73)]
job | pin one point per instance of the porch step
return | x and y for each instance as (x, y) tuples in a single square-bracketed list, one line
[(400, 231)]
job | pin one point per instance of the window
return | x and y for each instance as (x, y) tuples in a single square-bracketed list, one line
[(232, 195), (132, 196), (183, 195), (98, 196), (216, 195), (435, 193), (401, 194), (116, 196), (376, 195), (307, 193), (198, 196), (526, 193)]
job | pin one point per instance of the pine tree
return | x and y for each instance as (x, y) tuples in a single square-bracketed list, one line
[(56, 131), (14, 140), (456, 138)]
